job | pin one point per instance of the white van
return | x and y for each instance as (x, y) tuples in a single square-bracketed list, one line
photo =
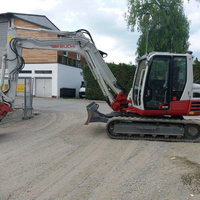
[(82, 90)]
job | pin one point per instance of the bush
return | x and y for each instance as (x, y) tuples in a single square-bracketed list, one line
[(124, 74), (196, 68)]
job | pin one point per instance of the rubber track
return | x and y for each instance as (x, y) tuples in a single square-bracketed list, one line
[(183, 122)]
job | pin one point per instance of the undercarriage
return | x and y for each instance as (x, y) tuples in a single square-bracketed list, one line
[(128, 126)]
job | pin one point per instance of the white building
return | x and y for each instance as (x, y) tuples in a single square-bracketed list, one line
[(53, 72), (49, 79)]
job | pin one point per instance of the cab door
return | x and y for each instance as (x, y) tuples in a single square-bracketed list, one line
[(157, 86), (179, 77)]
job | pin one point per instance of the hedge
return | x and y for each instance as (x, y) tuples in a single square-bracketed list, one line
[(124, 74), (196, 68)]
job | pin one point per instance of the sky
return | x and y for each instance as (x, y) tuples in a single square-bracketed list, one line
[(104, 19)]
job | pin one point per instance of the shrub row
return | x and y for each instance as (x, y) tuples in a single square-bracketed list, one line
[(196, 68), (124, 74)]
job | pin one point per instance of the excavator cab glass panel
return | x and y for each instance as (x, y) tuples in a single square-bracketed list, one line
[(179, 76), (138, 82), (156, 94)]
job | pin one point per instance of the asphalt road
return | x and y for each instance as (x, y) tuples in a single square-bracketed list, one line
[(55, 156)]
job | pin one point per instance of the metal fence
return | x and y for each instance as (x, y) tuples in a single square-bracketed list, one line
[(28, 98)]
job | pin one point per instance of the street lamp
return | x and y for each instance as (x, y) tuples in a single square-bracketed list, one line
[(147, 31)]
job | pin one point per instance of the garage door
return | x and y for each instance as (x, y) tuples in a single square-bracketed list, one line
[(43, 87)]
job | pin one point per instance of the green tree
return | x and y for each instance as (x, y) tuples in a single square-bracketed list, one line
[(167, 25)]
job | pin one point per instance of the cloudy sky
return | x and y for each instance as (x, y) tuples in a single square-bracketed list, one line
[(105, 21)]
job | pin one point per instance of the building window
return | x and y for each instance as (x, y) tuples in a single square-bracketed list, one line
[(66, 53), (25, 72), (78, 56), (43, 71), (71, 62)]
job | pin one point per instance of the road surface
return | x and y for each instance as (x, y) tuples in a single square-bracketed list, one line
[(55, 156)]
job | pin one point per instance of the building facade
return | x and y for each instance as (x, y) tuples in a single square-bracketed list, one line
[(51, 70)]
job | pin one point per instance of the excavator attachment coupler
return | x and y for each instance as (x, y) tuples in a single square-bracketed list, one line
[(94, 115)]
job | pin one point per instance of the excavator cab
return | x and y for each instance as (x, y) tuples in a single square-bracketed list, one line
[(161, 80)]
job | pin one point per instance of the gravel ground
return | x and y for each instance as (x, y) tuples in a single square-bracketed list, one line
[(55, 156)]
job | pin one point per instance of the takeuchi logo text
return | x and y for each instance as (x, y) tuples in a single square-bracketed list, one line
[(67, 46)]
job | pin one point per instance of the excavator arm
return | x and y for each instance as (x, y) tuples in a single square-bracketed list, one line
[(79, 41)]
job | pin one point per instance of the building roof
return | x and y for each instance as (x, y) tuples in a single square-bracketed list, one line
[(40, 20)]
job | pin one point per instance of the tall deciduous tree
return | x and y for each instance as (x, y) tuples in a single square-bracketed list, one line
[(163, 22)]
